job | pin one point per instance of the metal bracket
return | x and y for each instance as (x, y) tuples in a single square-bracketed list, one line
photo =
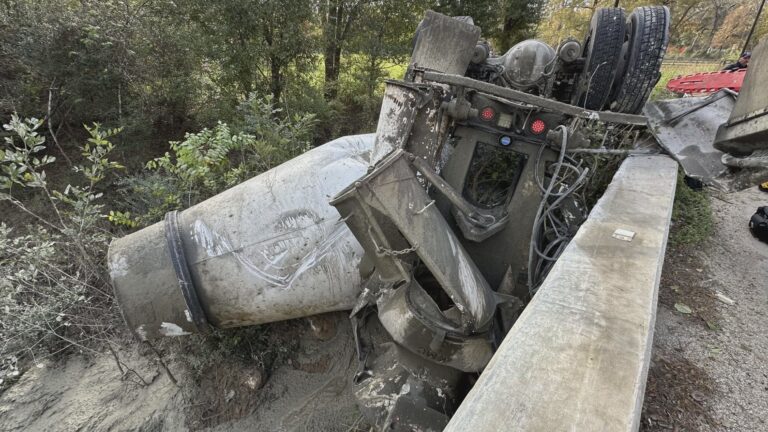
[(535, 101), (475, 224)]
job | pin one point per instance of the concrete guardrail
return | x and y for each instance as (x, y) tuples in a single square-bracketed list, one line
[(578, 357)]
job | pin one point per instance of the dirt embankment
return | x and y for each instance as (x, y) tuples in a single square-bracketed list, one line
[(308, 390), (710, 362)]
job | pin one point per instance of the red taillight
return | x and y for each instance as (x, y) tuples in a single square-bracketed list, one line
[(538, 126), (487, 113)]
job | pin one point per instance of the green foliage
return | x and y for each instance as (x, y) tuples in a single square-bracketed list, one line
[(504, 22), (212, 160), (692, 219), (107, 61), (202, 161), (54, 293), (254, 43), (122, 219), (162, 68), (20, 165), (195, 168)]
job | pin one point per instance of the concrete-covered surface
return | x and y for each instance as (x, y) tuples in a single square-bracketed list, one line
[(710, 366), (747, 125), (268, 249), (578, 356)]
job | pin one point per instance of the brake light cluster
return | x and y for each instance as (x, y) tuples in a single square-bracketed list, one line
[(488, 114), (538, 127)]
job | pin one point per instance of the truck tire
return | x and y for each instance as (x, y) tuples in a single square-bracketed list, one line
[(642, 54), (601, 51)]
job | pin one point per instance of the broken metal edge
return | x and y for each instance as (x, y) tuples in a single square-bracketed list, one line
[(743, 137)]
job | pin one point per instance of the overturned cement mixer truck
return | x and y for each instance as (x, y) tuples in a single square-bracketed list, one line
[(435, 231)]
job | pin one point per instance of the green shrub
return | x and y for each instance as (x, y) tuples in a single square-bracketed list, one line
[(212, 160), (54, 290)]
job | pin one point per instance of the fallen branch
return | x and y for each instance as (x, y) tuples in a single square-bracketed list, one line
[(124, 373)]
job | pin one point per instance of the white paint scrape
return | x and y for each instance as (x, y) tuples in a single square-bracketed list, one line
[(171, 329), (118, 266)]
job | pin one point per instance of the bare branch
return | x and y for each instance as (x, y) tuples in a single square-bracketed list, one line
[(50, 124)]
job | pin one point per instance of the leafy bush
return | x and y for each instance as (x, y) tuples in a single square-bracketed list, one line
[(54, 290), (212, 160)]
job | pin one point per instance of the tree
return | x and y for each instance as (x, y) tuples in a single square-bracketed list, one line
[(387, 37), (519, 21), (337, 18), (255, 43), (733, 32), (504, 22), (120, 62), (693, 26)]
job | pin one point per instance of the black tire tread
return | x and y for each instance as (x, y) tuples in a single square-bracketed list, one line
[(644, 63), (608, 27)]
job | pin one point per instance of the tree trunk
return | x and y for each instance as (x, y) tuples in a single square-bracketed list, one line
[(332, 53), (332, 68), (276, 79)]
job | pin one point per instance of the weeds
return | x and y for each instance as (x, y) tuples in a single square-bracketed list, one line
[(254, 345), (55, 293), (212, 160), (54, 290), (692, 218)]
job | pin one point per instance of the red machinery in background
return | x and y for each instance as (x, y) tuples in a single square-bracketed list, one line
[(707, 82)]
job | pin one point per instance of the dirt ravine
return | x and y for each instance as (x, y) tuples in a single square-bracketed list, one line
[(710, 367)]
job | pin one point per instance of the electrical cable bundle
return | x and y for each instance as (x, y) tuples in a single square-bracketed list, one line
[(558, 210)]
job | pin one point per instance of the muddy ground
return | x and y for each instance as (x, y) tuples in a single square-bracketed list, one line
[(308, 390), (709, 370), (710, 365)]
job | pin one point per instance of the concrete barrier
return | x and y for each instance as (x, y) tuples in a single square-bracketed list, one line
[(577, 359)]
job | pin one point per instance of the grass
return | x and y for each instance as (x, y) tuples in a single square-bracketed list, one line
[(692, 218)]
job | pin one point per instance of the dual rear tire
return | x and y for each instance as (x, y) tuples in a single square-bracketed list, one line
[(622, 59), (602, 53)]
